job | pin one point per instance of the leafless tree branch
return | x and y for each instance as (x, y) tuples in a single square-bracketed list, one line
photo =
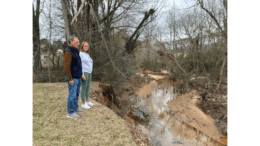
[(213, 17), (80, 9), (105, 41)]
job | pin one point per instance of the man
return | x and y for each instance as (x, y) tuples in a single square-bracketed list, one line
[(73, 70)]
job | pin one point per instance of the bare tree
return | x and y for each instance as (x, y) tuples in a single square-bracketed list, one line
[(37, 66), (78, 19), (173, 25), (49, 56), (222, 30), (65, 19), (130, 44)]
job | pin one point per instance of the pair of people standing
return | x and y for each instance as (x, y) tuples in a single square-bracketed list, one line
[(78, 67)]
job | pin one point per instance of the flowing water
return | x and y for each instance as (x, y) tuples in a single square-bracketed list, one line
[(163, 127)]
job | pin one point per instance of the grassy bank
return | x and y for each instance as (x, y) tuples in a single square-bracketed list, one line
[(97, 126)]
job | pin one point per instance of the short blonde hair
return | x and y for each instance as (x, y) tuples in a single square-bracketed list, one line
[(81, 47)]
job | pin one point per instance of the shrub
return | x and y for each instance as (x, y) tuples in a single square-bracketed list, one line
[(153, 65)]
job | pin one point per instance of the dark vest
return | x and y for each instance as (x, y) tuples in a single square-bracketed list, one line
[(76, 64)]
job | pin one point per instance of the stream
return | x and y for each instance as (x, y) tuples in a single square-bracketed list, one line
[(156, 120), (162, 126)]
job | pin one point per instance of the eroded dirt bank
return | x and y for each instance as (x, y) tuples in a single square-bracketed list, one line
[(157, 102)]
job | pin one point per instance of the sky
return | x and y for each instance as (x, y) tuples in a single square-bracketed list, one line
[(168, 4)]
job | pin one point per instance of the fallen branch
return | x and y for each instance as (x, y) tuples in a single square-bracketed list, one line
[(161, 53), (221, 73)]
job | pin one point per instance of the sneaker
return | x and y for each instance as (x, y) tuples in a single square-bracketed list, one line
[(90, 103), (85, 106), (79, 111), (73, 115)]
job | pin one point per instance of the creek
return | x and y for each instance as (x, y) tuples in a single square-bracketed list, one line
[(163, 126)]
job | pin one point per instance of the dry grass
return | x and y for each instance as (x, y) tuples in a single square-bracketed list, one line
[(97, 126)]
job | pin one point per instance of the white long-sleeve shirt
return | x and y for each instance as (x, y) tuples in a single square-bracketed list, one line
[(87, 62)]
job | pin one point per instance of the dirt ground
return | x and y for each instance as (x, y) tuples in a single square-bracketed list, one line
[(201, 106), (212, 103), (103, 94), (185, 108), (192, 99), (197, 104)]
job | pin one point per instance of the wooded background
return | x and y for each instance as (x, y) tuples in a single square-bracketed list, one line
[(126, 35)]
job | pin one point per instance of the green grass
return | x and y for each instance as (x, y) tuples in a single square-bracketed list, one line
[(52, 127)]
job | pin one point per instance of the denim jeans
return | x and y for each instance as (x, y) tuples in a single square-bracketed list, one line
[(73, 96)]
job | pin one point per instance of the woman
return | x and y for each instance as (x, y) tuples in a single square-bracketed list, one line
[(87, 65)]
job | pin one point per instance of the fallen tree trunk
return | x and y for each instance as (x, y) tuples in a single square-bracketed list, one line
[(165, 54), (221, 73)]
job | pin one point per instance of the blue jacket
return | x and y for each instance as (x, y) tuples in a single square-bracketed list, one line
[(76, 64)]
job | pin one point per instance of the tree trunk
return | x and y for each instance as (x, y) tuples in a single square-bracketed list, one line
[(88, 10), (49, 56), (78, 18), (223, 32), (161, 53), (221, 72), (130, 45), (37, 66), (66, 20), (58, 62)]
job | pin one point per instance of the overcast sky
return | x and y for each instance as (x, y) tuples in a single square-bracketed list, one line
[(167, 5), (180, 4)]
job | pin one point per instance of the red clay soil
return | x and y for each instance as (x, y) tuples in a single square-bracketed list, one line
[(212, 104), (224, 140), (185, 108), (188, 106)]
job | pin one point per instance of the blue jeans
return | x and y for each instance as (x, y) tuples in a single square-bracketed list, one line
[(73, 96)]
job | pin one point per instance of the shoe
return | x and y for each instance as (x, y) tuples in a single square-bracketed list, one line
[(73, 115), (85, 106), (90, 103), (79, 111)]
